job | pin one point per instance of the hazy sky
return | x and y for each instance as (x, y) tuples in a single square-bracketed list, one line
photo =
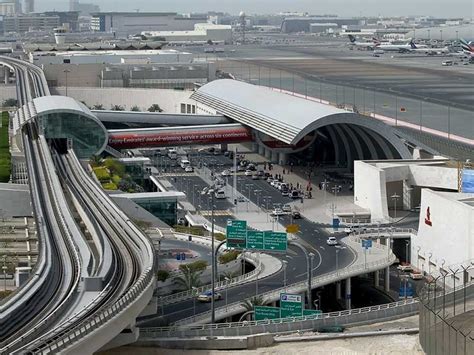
[(463, 8)]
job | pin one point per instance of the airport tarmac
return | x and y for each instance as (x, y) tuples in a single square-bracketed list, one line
[(409, 87)]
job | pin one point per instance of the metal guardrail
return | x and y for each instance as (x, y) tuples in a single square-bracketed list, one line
[(385, 232), (287, 325), (236, 307), (181, 296)]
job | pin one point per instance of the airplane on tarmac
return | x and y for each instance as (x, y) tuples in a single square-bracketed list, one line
[(424, 49), (365, 45), (468, 48), (402, 48)]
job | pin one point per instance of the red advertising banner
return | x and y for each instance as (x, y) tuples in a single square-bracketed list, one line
[(127, 140)]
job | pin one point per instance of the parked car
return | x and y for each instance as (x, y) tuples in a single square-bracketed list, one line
[(260, 173), (270, 180), (189, 169), (248, 172), (181, 221), (220, 194), (331, 241), (226, 173), (285, 192), (416, 275), (283, 186), (295, 194), (405, 267), (286, 208), (207, 296), (255, 177), (226, 153)]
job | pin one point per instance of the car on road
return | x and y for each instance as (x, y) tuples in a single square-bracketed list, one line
[(277, 184), (220, 194), (277, 212), (260, 173), (295, 194), (416, 275), (248, 172), (286, 208), (296, 215), (226, 153), (207, 296), (241, 168), (270, 180), (285, 192), (189, 169), (331, 241), (226, 173), (255, 177)]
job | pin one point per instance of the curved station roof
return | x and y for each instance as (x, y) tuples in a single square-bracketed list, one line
[(282, 116), (65, 117)]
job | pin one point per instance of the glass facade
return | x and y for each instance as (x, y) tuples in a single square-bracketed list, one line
[(88, 136), (164, 209)]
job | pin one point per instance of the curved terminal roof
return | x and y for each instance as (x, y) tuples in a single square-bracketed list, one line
[(286, 117), (279, 115)]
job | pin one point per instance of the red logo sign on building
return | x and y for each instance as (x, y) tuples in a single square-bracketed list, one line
[(428, 217)]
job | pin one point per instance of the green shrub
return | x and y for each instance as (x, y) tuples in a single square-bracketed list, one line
[(195, 266), (162, 275), (109, 186), (116, 179), (115, 167), (220, 237), (102, 174), (229, 256), (190, 230)]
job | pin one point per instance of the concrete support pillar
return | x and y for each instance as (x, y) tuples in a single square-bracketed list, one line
[(348, 293), (7, 76), (387, 279), (377, 278), (255, 147), (268, 153), (407, 195), (261, 150), (283, 158), (338, 290), (273, 304), (274, 157), (224, 147), (417, 153)]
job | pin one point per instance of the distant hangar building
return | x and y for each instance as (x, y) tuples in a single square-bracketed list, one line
[(131, 23), (203, 32), (303, 24)]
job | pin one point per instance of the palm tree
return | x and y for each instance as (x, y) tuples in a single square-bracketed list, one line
[(95, 160), (98, 107), (188, 279), (135, 108), (117, 108), (250, 303)]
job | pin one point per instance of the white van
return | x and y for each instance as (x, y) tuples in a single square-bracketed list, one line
[(219, 194), (172, 153), (185, 163), (447, 63)]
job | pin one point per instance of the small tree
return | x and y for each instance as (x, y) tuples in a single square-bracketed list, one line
[(188, 279), (250, 303), (98, 107), (155, 108), (95, 160), (162, 275), (135, 108), (10, 102), (117, 108)]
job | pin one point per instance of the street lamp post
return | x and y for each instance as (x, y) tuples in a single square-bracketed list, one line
[(337, 261), (310, 278), (66, 71), (248, 186), (257, 193), (407, 244), (226, 288), (285, 264), (194, 300)]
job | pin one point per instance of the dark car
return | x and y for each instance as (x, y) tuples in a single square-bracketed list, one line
[(296, 215)]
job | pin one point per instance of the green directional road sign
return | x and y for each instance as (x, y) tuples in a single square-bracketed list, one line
[(255, 240), (236, 234), (291, 305), (275, 241), (262, 313), (311, 312)]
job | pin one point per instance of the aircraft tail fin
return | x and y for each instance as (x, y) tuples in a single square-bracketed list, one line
[(352, 38)]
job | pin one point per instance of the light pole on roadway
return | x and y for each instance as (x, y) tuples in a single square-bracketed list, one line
[(407, 244), (394, 197), (285, 264), (337, 261)]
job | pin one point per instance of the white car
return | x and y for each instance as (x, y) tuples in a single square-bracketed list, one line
[(226, 173), (248, 172), (189, 169), (277, 212), (331, 241), (286, 208)]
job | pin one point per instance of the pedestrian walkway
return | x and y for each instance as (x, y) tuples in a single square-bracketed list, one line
[(323, 204)]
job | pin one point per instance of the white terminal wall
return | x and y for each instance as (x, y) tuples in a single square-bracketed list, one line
[(450, 238), (375, 180), (169, 100)]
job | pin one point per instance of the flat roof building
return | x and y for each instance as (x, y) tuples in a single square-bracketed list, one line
[(203, 32), (130, 23), (22, 23)]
